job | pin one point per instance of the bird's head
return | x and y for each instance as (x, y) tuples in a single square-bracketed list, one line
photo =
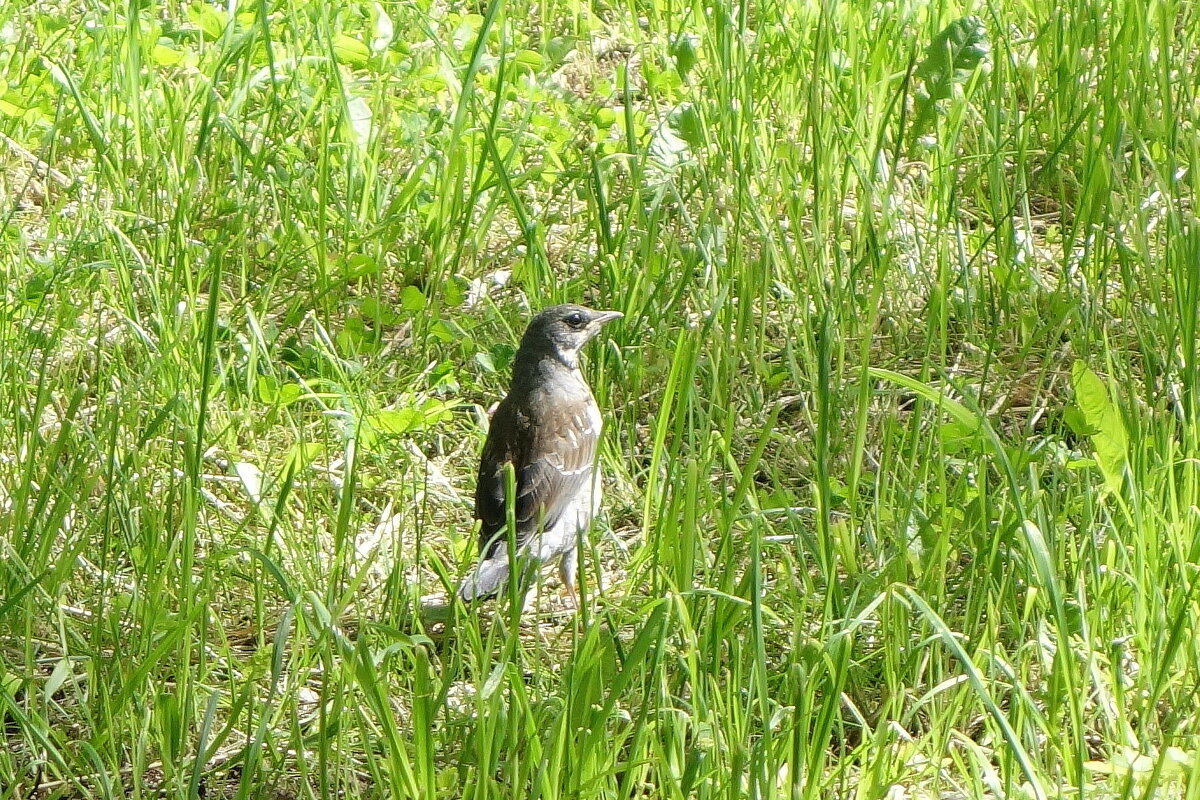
[(561, 331)]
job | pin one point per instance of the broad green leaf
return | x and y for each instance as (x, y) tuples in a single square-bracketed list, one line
[(269, 390), (687, 123), (438, 410), (531, 59), (502, 355), (350, 50), (300, 455), (668, 150), (359, 265), (956, 52), (355, 338), (952, 57), (1103, 423), (485, 361), (957, 437), (683, 50), (290, 393), (379, 312), (454, 291), (448, 330), (604, 118), (166, 56), (412, 299), (1077, 422), (210, 20), (396, 421), (411, 417)]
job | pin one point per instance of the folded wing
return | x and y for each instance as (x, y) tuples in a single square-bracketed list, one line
[(552, 459)]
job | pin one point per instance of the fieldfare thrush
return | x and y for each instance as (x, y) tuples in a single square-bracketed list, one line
[(547, 428)]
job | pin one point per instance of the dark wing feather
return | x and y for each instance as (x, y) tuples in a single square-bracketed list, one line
[(551, 454)]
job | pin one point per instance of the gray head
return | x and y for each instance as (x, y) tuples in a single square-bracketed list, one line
[(560, 331)]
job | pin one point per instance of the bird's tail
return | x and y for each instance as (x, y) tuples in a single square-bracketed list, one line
[(486, 579)]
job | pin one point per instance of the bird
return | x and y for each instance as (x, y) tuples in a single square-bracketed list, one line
[(547, 428)]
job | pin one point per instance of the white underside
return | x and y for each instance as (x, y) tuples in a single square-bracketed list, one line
[(575, 519)]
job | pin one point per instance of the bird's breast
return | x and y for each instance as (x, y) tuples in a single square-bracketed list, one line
[(563, 536)]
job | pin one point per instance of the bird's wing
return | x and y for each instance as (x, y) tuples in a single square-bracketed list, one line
[(552, 457)]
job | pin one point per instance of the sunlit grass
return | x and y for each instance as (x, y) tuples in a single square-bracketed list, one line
[(901, 449)]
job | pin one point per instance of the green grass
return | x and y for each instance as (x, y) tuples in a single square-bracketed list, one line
[(903, 489)]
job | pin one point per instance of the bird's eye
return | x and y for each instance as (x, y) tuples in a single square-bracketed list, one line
[(576, 320)]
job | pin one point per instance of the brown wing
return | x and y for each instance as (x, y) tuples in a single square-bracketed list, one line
[(552, 457)]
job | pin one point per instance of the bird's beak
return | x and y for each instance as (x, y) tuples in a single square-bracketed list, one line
[(605, 316)]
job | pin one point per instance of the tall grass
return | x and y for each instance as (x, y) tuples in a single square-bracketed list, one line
[(901, 447)]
